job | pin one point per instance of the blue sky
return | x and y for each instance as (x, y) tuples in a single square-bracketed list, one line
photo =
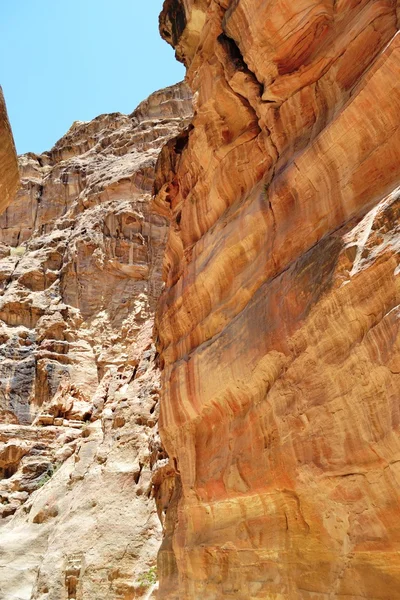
[(68, 60)]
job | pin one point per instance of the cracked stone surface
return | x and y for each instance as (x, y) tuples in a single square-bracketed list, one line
[(80, 272)]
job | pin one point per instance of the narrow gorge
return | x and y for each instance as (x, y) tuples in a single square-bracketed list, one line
[(199, 322)]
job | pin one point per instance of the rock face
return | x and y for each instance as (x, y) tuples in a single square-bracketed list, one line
[(81, 253), (278, 330), (9, 177)]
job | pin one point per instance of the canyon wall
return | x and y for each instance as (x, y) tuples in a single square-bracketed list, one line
[(81, 250), (9, 177), (278, 329)]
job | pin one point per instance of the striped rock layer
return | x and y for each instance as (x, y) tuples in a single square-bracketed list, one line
[(278, 330)]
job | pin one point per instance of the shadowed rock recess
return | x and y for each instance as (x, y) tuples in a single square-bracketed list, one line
[(80, 272), (278, 329)]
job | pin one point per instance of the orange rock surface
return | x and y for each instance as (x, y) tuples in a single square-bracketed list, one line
[(9, 177), (278, 330)]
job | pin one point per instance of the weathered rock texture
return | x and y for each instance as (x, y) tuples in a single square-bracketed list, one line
[(279, 325), (9, 177), (80, 268)]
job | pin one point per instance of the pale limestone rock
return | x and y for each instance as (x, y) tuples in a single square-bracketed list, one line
[(80, 276)]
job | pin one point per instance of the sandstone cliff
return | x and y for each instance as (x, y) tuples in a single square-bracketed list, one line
[(9, 177), (278, 330), (80, 274)]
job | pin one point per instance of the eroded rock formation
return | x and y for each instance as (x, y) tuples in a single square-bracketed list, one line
[(278, 330), (9, 177), (81, 252)]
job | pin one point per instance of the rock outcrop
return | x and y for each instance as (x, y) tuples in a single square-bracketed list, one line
[(81, 254), (278, 330), (9, 177)]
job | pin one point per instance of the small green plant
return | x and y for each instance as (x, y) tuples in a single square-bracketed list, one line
[(18, 251), (44, 479), (47, 475), (148, 578)]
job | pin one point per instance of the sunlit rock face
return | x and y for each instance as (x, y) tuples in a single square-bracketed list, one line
[(81, 255), (278, 330), (9, 177)]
